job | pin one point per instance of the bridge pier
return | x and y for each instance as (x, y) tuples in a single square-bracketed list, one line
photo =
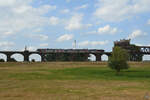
[(108, 56), (57, 55), (98, 57), (8, 57), (42, 57), (26, 55), (26, 58)]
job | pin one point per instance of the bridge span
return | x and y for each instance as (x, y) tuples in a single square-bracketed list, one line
[(145, 50), (55, 54), (136, 53), (25, 54)]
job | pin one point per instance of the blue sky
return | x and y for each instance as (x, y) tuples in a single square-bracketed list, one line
[(57, 23)]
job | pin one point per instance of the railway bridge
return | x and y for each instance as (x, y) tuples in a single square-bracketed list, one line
[(145, 50), (58, 54), (25, 54), (136, 53)]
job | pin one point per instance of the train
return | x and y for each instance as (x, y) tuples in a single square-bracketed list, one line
[(70, 50)]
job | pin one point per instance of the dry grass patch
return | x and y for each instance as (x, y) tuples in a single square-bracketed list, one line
[(74, 90), (72, 81)]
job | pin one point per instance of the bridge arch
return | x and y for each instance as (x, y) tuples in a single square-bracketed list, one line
[(3, 56), (92, 57), (104, 57), (36, 57), (18, 57)]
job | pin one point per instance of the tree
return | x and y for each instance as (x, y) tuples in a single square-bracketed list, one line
[(33, 60), (2, 60), (13, 60), (118, 59)]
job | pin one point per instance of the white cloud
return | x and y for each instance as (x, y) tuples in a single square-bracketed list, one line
[(68, 0), (7, 33), (6, 44), (65, 11), (22, 9), (18, 15), (84, 43), (65, 37), (37, 30), (105, 30), (75, 22), (118, 10), (44, 45), (92, 43), (41, 37), (31, 10), (54, 20), (4, 3), (89, 25), (81, 7), (136, 33), (148, 22), (92, 32), (32, 48), (137, 44), (142, 44)]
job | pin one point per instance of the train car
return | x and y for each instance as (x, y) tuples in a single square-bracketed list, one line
[(70, 50), (96, 51)]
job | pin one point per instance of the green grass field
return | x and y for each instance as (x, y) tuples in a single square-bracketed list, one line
[(73, 81)]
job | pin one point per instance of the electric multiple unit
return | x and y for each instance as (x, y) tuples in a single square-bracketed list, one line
[(70, 50)]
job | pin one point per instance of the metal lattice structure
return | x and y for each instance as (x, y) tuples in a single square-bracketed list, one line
[(145, 50), (136, 52)]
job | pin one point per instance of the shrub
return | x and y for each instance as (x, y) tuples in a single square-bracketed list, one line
[(33, 60), (13, 60), (118, 59), (2, 60)]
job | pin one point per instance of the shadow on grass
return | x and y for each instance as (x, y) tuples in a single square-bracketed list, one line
[(83, 73), (103, 73)]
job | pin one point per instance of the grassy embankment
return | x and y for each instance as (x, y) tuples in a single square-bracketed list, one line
[(72, 81)]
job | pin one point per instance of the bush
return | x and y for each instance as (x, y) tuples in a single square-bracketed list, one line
[(13, 60), (118, 59), (2, 60), (33, 60)]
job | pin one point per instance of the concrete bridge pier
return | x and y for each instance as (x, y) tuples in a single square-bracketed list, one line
[(98, 57), (108, 56), (8, 57), (26, 55), (26, 58), (42, 57)]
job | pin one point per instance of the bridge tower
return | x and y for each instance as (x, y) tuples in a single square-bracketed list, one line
[(26, 54), (98, 57), (8, 57), (133, 50)]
